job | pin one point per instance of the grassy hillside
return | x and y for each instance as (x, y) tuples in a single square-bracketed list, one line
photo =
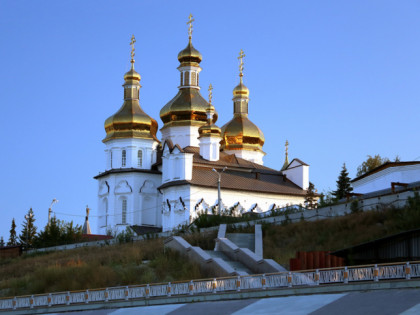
[(95, 267)]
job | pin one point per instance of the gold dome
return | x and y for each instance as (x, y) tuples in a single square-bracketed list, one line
[(190, 54), (132, 75), (187, 108), (210, 129), (241, 90), (131, 121), (242, 134)]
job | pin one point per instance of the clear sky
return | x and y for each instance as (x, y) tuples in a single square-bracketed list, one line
[(338, 79)]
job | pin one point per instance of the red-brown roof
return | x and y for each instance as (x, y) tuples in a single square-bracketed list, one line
[(240, 175)]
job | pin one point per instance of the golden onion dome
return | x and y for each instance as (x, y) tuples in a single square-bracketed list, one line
[(240, 90), (188, 107), (209, 131), (190, 54), (132, 75), (130, 121), (242, 134)]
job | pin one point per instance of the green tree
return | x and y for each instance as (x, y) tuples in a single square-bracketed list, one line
[(58, 233), (343, 184), (26, 237), (1, 242), (371, 163), (326, 199), (13, 238), (310, 197)]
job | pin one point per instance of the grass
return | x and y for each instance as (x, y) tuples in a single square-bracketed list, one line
[(95, 267)]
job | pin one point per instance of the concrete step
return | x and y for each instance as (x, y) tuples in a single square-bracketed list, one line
[(242, 240), (217, 254), (234, 264)]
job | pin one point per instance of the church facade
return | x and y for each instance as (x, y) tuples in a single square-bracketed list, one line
[(167, 182)]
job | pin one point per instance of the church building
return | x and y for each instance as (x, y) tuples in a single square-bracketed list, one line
[(165, 183)]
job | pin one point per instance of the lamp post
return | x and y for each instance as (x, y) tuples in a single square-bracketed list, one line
[(27, 217), (219, 197), (50, 210)]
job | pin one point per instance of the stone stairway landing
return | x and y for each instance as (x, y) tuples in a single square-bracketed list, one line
[(242, 240), (236, 265)]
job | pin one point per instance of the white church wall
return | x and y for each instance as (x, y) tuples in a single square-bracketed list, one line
[(140, 192), (252, 156), (182, 135), (176, 166), (383, 179), (210, 148), (115, 147), (298, 174), (197, 199), (175, 206)]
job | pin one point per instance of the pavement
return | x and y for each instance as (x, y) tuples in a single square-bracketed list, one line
[(384, 302)]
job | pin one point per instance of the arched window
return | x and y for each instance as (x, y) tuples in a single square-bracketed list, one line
[(197, 78), (111, 159), (139, 158), (182, 77), (124, 211), (187, 78), (123, 158)]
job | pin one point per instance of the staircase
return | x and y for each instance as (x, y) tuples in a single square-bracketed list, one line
[(242, 240), (236, 265)]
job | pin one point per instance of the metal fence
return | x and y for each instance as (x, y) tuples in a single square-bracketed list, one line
[(218, 285)]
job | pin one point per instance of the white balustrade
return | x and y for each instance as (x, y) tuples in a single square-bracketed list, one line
[(209, 286)]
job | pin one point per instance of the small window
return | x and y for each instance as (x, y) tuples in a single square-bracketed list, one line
[(111, 159), (182, 77), (187, 78), (124, 211), (123, 158), (140, 158), (197, 79)]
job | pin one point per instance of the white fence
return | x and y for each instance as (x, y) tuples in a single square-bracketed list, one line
[(218, 285)]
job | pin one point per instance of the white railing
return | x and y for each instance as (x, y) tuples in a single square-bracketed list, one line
[(218, 285)]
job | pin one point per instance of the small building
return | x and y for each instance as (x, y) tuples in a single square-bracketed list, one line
[(403, 246), (388, 175), (10, 251)]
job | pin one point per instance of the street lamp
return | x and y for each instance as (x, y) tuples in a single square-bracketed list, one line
[(219, 174), (27, 217), (50, 210)]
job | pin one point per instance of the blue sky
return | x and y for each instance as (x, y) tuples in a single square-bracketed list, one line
[(338, 79)]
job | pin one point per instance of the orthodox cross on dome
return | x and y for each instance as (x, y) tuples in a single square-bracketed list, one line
[(287, 147), (133, 53), (87, 212), (210, 93), (241, 64), (190, 26)]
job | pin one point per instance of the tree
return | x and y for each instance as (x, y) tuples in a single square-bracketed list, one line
[(310, 198), (58, 233), (371, 163), (28, 233), (13, 238), (343, 184), (1, 242)]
